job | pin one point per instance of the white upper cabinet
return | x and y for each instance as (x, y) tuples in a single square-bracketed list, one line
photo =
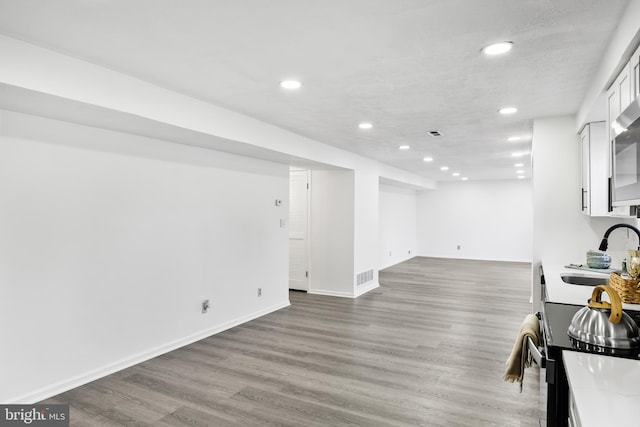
[(634, 67), (585, 205), (594, 149), (619, 96), (622, 92), (625, 87)]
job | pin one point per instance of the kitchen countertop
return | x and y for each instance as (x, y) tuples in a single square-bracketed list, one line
[(605, 389), (559, 291)]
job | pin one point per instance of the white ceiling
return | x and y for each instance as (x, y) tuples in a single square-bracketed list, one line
[(407, 66)]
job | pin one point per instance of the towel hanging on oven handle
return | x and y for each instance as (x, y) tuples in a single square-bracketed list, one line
[(525, 350)]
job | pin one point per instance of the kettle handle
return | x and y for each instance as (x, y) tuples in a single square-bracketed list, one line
[(615, 306)]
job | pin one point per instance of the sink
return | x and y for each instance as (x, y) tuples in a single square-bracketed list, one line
[(583, 279)]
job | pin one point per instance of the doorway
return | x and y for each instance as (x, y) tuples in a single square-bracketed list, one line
[(299, 230)]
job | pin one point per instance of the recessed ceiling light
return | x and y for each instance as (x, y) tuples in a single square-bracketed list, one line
[(290, 84), (519, 165), (365, 125), (497, 48), (508, 110), (428, 159), (513, 138), (455, 174), (464, 178), (444, 168), (520, 176), (404, 147), (520, 171)]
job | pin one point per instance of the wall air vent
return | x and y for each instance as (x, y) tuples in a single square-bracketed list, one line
[(434, 133), (364, 277)]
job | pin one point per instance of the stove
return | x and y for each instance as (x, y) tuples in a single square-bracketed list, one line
[(555, 319)]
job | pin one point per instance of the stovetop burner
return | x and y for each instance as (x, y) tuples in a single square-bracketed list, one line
[(607, 351), (556, 320)]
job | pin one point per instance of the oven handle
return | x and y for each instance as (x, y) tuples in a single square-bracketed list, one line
[(538, 355), (535, 352)]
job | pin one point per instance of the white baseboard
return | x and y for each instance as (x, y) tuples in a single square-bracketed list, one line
[(361, 290), (366, 287), (330, 293), (475, 258), (393, 262), (62, 386)]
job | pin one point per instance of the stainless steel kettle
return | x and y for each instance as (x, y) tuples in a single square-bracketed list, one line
[(604, 324)]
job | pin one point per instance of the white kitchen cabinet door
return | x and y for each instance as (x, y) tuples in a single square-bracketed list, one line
[(574, 419), (619, 96), (594, 150), (613, 110), (585, 204), (624, 82), (634, 69)]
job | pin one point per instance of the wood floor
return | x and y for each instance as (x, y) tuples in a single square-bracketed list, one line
[(427, 348)]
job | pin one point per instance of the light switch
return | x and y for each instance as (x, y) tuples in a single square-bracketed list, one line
[(283, 223)]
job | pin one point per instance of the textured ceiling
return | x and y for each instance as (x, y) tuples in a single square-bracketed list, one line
[(407, 66)]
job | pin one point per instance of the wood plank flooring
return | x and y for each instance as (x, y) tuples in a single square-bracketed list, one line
[(427, 348)]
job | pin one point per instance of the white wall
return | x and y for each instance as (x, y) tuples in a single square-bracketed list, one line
[(490, 220), (34, 79), (110, 242), (331, 244), (397, 237), (366, 226)]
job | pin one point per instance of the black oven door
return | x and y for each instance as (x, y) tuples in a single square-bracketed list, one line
[(553, 372), (557, 390)]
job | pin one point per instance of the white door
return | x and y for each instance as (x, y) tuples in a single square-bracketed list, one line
[(298, 230)]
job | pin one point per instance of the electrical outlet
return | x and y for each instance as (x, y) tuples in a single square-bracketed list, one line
[(259, 292), (205, 306)]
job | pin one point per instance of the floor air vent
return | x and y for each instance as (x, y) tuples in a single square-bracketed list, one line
[(364, 277)]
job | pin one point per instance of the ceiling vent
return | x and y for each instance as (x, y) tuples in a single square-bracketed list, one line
[(434, 133)]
